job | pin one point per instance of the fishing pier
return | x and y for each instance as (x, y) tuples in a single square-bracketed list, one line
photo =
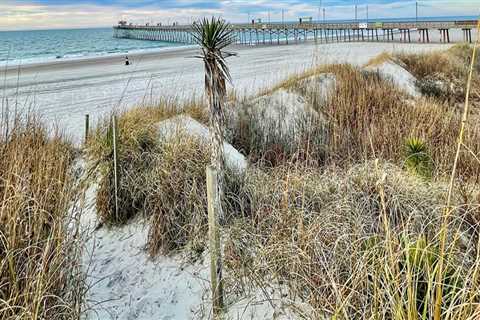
[(258, 33)]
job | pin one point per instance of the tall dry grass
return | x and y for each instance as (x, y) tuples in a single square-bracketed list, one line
[(137, 143), (39, 273), (354, 238), (369, 117), (443, 74), (161, 180), (322, 237)]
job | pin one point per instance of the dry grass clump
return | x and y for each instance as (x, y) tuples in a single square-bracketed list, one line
[(380, 59), (325, 237), (443, 74), (369, 117), (39, 271), (176, 197), (270, 144), (137, 126), (161, 179), (137, 144)]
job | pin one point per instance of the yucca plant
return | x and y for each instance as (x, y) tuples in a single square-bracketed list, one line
[(417, 158), (419, 264), (214, 36)]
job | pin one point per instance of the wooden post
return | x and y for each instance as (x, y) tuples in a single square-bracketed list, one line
[(214, 238), (115, 162), (87, 127)]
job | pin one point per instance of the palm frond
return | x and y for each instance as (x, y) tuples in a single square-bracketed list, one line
[(213, 35)]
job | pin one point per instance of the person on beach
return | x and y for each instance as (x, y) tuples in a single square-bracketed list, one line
[(127, 62)]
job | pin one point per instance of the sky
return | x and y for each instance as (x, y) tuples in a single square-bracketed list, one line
[(54, 14)]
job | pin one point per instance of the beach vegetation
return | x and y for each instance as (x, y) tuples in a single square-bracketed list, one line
[(417, 159), (356, 231), (40, 274)]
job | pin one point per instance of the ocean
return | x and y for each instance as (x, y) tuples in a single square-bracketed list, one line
[(25, 47), (49, 45)]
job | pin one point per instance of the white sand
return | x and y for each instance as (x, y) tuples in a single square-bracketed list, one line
[(125, 284), (403, 79), (65, 92)]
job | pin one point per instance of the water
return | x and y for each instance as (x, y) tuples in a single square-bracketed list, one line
[(50, 45)]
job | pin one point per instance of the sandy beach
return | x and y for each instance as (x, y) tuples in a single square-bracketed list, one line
[(62, 92)]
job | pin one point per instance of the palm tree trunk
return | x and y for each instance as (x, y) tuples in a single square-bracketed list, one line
[(216, 92)]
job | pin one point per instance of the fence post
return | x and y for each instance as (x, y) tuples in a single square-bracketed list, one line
[(214, 239), (115, 162), (87, 127)]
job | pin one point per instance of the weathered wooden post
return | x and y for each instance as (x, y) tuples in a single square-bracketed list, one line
[(214, 239), (115, 161), (87, 127)]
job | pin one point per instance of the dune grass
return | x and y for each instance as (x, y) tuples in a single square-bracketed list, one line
[(370, 118), (39, 267), (354, 231), (443, 74), (161, 180), (324, 237), (138, 142)]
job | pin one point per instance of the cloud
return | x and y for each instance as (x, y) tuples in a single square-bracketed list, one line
[(43, 14)]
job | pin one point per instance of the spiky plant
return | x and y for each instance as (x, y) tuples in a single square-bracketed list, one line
[(417, 158), (214, 35)]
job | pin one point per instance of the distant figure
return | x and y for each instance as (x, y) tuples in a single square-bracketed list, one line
[(127, 62)]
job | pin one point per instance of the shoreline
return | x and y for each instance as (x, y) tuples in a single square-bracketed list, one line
[(85, 60), (167, 52), (63, 92)]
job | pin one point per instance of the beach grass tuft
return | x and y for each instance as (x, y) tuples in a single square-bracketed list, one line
[(40, 277)]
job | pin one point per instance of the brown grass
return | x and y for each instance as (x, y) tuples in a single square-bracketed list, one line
[(354, 238), (322, 236), (161, 180), (443, 74), (39, 273), (137, 141), (370, 118)]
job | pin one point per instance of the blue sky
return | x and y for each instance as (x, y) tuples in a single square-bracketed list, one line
[(42, 14)]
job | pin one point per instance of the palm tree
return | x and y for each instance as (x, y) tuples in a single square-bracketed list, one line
[(214, 36)]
